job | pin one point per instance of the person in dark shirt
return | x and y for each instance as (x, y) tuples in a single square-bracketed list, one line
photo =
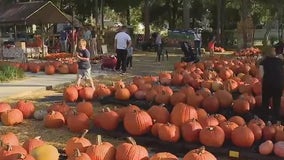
[(279, 47), (84, 64), (272, 72)]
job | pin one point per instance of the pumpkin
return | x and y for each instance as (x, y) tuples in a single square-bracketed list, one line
[(63, 69), (132, 88), (108, 119), (182, 113), (177, 97), (199, 154), (238, 120), (207, 121), (45, 152), (85, 107), (266, 147), (163, 156), (10, 152), (247, 137), (228, 127), (194, 100), (122, 94), (102, 91), (123, 110), (268, 131), (211, 104), (49, 69), (9, 138), (169, 133), (54, 119), (137, 122), (225, 98), (86, 93), (101, 150), (206, 134), (190, 130), (70, 94), (40, 114), (26, 107), (131, 151), (32, 143), (80, 143), (12, 117), (155, 128), (61, 107), (241, 106), (79, 156), (257, 131), (160, 113), (279, 148), (77, 122), (73, 68), (4, 107)]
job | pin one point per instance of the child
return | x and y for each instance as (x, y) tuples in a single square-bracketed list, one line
[(211, 46), (84, 63), (129, 57), (272, 74)]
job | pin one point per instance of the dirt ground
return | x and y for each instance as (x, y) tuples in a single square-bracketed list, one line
[(143, 64)]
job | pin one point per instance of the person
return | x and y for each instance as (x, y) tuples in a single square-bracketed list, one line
[(94, 48), (197, 41), (84, 64), (272, 74), (189, 55), (122, 41), (279, 48), (129, 57), (73, 39), (87, 35), (63, 40), (158, 44), (211, 46)]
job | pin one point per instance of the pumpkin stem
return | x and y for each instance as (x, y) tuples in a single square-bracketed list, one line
[(77, 153), (21, 156), (201, 150), (131, 140), (99, 139), (84, 133), (37, 137), (210, 128), (107, 109), (269, 123)]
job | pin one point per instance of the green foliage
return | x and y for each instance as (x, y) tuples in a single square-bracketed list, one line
[(9, 72)]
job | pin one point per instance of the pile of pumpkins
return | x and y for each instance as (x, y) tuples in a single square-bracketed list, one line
[(80, 148), (48, 67)]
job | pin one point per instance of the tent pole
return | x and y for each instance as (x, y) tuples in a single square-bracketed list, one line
[(43, 39)]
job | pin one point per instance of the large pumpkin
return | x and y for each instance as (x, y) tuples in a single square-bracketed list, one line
[(26, 107), (182, 113), (206, 134), (242, 136), (131, 151), (190, 130), (70, 94), (137, 122), (169, 132), (78, 122), (225, 98)]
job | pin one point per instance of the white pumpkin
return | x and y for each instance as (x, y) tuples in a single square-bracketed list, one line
[(40, 114)]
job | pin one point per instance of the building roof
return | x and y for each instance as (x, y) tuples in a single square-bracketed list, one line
[(36, 12)]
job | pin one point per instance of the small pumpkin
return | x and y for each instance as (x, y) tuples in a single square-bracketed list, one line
[(12, 117), (279, 148), (266, 147), (77, 142), (101, 150), (9, 138), (160, 113), (79, 156), (199, 154), (54, 119), (164, 156), (40, 114), (32, 143), (4, 107), (131, 151), (26, 107)]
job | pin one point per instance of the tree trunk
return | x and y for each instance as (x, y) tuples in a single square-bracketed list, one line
[(128, 15), (244, 16), (186, 14), (218, 30), (147, 19)]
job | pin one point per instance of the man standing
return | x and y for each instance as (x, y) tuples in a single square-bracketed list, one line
[(197, 42), (122, 41), (63, 40)]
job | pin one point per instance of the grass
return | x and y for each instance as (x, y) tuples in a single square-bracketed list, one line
[(9, 72)]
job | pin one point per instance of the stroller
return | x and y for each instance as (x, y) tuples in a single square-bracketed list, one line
[(109, 62), (189, 55)]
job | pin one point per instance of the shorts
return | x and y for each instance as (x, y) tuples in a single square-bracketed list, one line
[(84, 73)]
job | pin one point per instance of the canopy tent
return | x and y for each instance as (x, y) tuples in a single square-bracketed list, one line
[(31, 13)]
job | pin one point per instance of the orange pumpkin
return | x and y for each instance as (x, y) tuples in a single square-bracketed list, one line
[(169, 132), (160, 113), (26, 107), (131, 151), (77, 121), (101, 150), (54, 119), (32, 143), (206, 134), (199, 154), (12, 117), (247, 135), (182, 113), (163, 156), (266, 147), (190, 130)]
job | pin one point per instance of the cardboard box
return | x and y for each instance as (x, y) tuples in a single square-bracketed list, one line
[(21, 45)]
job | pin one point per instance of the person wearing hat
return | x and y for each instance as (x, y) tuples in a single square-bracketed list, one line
[(272, 74)]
